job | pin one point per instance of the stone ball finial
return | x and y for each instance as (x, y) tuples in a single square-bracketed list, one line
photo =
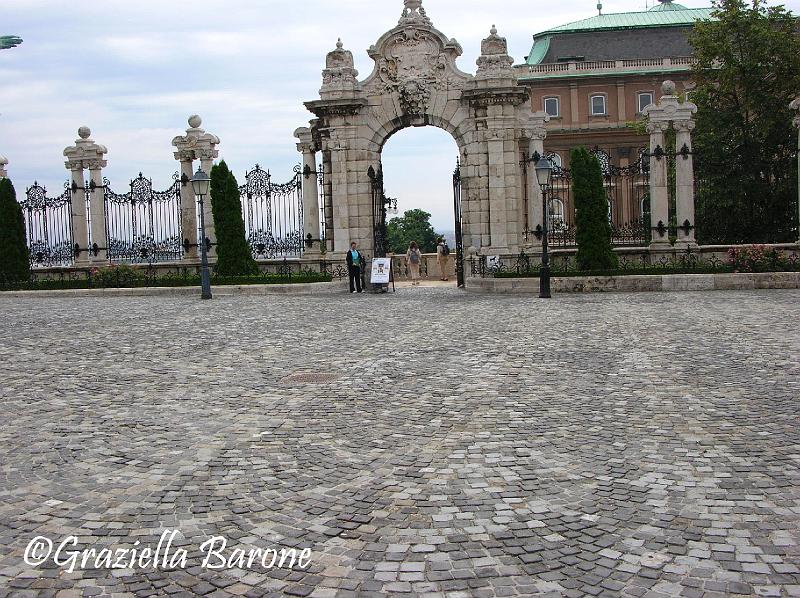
[(668, 88), (84, 132), (493, 30), (195, 121), (339, 44)]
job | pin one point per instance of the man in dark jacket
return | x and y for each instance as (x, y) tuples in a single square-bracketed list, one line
[(355, 266)]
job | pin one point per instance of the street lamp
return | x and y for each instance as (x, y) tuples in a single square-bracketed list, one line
[(201, 183), (543, 170)]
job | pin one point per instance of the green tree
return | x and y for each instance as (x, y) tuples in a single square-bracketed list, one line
[(234, 257), (14, 259), (747, 72), (593, 232), (413, 225)]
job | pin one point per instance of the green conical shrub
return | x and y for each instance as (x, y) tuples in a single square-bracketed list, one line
[(14, 259), (593, 232), (234, 257)]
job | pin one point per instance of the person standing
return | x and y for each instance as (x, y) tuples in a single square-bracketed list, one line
[(442, 256), (355, 264), (413, 261)]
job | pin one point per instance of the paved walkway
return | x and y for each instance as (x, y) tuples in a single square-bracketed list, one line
[(427, 443)]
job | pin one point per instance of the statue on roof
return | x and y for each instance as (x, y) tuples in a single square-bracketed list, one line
[(9, 41)]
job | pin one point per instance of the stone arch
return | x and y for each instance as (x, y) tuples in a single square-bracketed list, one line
[(415, 82)]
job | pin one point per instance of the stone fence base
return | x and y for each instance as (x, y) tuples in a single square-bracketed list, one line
[(640, 283)]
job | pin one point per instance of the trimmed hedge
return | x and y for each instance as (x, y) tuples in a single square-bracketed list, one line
[(234, 257), (15, 261)]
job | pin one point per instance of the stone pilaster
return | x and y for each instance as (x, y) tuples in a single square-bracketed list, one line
[(684, 182), (536, 132), (660, 116), (86, 154), (80, 221), (197, 144), (311, 213), (659, 192)]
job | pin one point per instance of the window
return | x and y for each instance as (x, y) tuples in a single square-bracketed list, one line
[(555, 160), (644, 98), (556, 215), (552, 107), (598, 105)]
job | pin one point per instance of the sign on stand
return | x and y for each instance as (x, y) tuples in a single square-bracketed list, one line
[(382, 272)]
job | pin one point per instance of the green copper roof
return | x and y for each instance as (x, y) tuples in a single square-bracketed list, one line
[(664, 15)]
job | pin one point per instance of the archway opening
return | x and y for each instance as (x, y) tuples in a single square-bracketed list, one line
[(418, 165)]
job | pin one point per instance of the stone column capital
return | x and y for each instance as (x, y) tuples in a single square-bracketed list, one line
[(197, 144), (657, 126), (84, 152), (684, 126), (795, 105)]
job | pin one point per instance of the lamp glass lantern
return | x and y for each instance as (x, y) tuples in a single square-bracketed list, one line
[(201, 182), (544, 168)]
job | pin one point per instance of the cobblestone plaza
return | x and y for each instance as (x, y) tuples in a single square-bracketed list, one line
[(426, 443)]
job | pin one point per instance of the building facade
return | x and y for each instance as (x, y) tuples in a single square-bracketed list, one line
[(595, 77)]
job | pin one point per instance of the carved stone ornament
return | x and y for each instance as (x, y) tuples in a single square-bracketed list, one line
[(339, 73), (494, 61), (795, 105), (414, 13), (415, 61), (195, 142)]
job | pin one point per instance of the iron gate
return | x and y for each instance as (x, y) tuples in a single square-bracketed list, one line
[(379, 230), (48, 227), (458, 231), (627, 193), (142, 225), (273, 214)]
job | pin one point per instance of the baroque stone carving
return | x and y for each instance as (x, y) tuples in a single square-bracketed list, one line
[(339, 74), (494, 61)]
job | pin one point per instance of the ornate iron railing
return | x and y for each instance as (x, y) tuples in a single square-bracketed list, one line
[(48, 227), (143, 225), (273, 214)]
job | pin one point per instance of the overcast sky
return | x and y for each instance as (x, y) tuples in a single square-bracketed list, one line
[(134, 72)]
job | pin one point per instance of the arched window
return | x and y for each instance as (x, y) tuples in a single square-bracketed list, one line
[(556, 219)]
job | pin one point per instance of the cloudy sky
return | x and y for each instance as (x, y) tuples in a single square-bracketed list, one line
[(134, 72)]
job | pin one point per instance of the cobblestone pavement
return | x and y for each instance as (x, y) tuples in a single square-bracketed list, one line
[(602, 445)]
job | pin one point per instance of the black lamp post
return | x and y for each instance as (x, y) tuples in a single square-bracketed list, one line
[(543, 170), (201, 183)]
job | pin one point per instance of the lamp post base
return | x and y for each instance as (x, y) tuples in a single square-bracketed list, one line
[(544, 283)]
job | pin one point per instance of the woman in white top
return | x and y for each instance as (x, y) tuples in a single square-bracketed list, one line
[(413, 261)]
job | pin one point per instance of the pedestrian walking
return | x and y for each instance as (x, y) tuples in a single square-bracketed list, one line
[(442, 257), (355, 266), (413, 261)]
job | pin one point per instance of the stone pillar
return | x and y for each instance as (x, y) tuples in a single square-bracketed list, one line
[(3, 164), (88, 154), (97, 203), (684, 179), (537, 133), (311, 212), (80, 223), (659, 193), (795, 105), (189, 226), (659, 117), (341, 209), (197, 144)]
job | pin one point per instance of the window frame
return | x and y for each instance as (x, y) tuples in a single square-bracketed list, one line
[(592, 97), (558, 106), (639, 94)]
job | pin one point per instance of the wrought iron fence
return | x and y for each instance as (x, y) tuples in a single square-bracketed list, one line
[(48, 226), (143, 225), (627, 193), (273, 214)]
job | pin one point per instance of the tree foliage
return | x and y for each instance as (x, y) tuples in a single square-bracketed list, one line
[(593, 232), (747, 73), (234, 257), (413, 225), (14, 257)]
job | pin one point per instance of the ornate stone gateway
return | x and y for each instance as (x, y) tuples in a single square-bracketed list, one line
[(415, 82)]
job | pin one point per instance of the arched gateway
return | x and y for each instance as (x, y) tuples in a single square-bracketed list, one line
[(415, 82)]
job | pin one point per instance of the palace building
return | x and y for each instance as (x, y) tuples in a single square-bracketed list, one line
[(595, 76)]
